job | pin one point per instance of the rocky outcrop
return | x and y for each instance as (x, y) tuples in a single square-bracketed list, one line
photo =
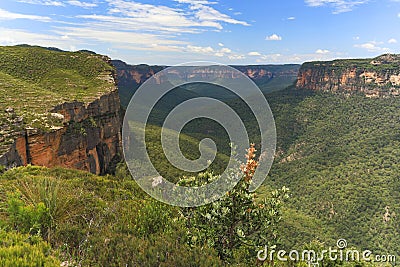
[(134, 73), (378, 77), (88, 138)]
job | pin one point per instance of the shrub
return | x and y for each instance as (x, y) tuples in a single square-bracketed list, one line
[(237, 225), (18, 249)]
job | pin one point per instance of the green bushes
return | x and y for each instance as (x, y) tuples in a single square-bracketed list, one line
[(29, 219), (2, 169), (39, 204), (22, 250), (95, 221)]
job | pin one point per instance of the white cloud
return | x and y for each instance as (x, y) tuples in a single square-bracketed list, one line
[(209, 14), (339, 6), (203, 12), (197, 2), (295, 58), (236, 57), (162, 24), (139, 26), (322, 51), (392, 41), (273, 37), (372, 47), (16, 36), (254, 53), (59, 3), (200, 49), (291, 18), (209, 51), (81, 4), (6, 15), (356, 38), (129, 15), (133, 26), (226, 50), (146, 16), (270, 58), (132, 40), (42, 2)]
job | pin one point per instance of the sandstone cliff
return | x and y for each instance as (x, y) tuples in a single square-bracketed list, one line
[(85, 128), (130, 77), (378, 77)]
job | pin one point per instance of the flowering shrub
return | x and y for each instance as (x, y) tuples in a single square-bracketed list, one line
[(238, 224)]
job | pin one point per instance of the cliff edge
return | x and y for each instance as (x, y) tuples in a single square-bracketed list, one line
[(377, 77), (58, 109)]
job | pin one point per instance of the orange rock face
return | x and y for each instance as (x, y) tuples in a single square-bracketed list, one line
[(329, 77), (90, 139)]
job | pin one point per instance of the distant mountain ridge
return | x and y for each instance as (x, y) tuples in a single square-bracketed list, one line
[(267, 77), (376, 77)]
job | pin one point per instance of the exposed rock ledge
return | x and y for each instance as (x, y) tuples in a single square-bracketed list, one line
[(89, 140), (378, 77)]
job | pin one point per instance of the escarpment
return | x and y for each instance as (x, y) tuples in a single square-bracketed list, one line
[(130, 77), (69, 116), (138, 74), (378, 77)]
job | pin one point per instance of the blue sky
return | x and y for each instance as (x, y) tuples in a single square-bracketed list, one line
[(226, 31)]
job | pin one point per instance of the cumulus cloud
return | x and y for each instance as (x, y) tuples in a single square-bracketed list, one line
[(392, 41), (273, 37)]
